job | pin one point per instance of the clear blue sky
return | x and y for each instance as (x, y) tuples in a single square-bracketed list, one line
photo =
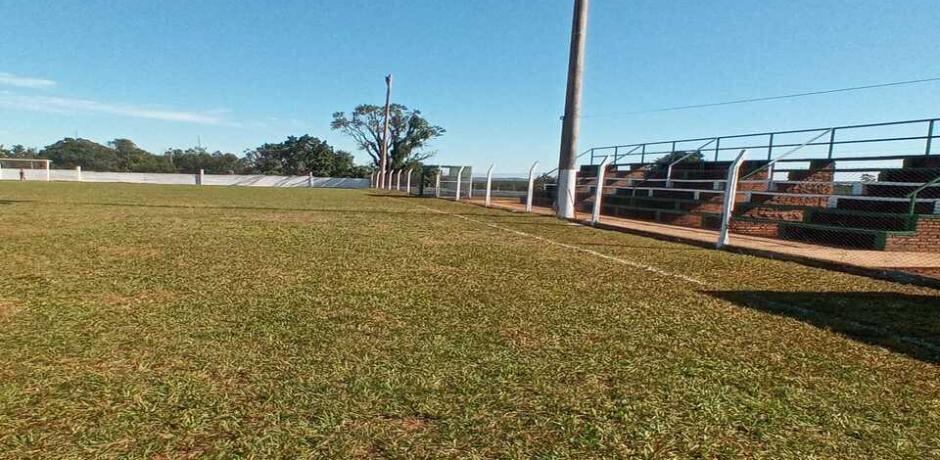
[(492, 72)]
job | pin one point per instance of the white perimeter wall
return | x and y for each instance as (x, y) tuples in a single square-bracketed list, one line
[(185, 179)]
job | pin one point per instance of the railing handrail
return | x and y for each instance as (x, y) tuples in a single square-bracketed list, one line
[(775, 160), (767, 133), (930, 135), (913, 195)]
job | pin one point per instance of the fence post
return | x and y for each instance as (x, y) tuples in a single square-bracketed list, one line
[(398, 180), (78, 173), (200, 177), (437, 184), (408, 181), (48, 175), (832, 139), (528, 200), (459, 173), (388, 179), (599, 192), (929, 137), (309, 179), (489, 183), (731, 190)]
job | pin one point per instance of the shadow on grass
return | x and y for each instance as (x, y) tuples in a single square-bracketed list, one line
[(904, 323)]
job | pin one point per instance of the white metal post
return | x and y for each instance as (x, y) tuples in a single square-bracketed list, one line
[(388, 182), (437, 184), (372, 180), (309, 179), (408, 181), (398, 180), (48, 178), (528, 200), (78, 173), (489, 183), (459, 173), (731, 190), (599, 191), (202, 175)]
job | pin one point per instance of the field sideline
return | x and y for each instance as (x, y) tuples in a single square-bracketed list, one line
[(216, 322)]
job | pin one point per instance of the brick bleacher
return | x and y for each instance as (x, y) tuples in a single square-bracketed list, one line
[(808, 206)]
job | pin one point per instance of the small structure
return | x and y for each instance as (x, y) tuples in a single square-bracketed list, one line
[(30, 162)]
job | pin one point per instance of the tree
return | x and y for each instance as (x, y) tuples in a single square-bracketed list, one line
[(69, 153), (193, 159), (409, 133), (132, 158), (300, 156), (18, 151)]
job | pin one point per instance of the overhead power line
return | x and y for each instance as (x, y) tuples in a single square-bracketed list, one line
[(771, 98)]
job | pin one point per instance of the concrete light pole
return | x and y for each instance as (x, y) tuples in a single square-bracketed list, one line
[(383, 160), (571, 120)]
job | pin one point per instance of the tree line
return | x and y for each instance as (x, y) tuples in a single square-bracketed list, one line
[(294, 156), (408, 135)]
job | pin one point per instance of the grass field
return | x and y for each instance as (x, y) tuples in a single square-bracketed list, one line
[(177, 322)]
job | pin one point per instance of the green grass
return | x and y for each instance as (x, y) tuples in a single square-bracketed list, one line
[(176, 322)]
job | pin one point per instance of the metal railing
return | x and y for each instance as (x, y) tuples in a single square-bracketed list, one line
[(913, 195), (771, 141)]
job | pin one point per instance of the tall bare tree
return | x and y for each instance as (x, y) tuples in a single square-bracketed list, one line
[(408, 133)]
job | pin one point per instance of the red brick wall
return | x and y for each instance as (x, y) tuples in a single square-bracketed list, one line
[(744, 227), (927, 238)]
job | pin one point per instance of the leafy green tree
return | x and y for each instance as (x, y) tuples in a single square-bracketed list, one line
[(132, 158), (299, 156), (69, 153), (18, 151), (193, 159), (409, 133)]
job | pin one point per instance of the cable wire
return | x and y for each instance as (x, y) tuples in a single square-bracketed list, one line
[(770, 98)]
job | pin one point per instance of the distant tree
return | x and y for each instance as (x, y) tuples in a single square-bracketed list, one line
[(193, 159), (409, 133), (18, 151), (132, 158), (299, 156), (69, 153)]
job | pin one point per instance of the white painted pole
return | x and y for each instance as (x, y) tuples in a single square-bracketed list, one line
[(459, 173), (528, 200), (48, 175), (309, 179), (388, 182), (731, 190), (408, 181), (437, 184), (489, 183), (470, 185), (599, 191), (398, 180), (78, 173), (372, 180), (202, 176)]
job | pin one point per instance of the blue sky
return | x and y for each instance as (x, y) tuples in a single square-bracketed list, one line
[(492, 72)]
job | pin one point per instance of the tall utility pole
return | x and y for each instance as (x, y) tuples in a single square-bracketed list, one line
[(383, 161), (571, 120)]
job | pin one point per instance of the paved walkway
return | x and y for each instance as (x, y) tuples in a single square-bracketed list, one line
[(926, 263)]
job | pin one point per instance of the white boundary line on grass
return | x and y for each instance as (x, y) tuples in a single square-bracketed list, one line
[(781, 305), (626, 262)]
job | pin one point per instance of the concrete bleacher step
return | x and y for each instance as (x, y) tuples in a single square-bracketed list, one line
[(890, 207), (861, 220), (890, 190), (853, 238), (909, 174)]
